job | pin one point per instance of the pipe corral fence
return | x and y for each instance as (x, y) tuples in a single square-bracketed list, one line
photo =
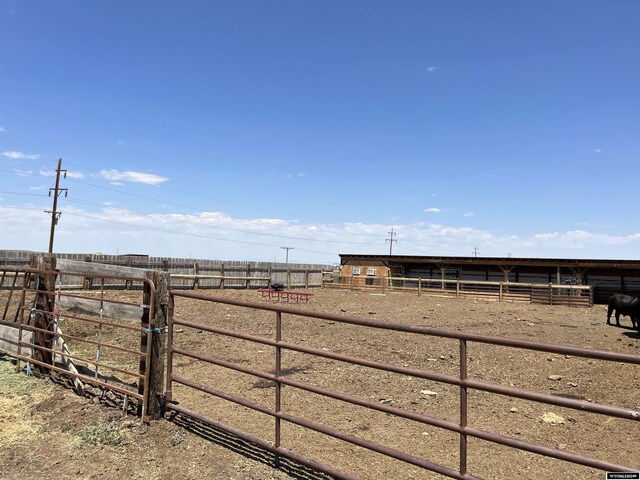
[(547, 294), (464, 384), (37, 303)]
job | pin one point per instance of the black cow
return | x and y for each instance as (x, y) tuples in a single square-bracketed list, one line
[(625, 305), (278, 287)]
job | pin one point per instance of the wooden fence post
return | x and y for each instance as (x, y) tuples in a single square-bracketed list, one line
[(246, 284), (196, 280), (127, 283), (87, 282), (288, 278), (45, 284), (306, 279), (155, 327)]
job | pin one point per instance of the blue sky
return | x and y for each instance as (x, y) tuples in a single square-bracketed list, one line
[(228, 129)]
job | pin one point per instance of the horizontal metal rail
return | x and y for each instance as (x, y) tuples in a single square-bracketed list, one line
[(429, 331), (81, 359), (84, 378), (80, 339), (109, 301), (91, 320)]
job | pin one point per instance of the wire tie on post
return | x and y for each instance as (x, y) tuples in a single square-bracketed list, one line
[(154, 330)]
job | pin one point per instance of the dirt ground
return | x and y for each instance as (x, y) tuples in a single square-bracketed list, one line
[(47, 430)]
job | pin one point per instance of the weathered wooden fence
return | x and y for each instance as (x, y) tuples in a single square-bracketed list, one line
[(549, 294), (186, 273)]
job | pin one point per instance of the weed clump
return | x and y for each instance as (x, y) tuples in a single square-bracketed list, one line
[(101, 434)]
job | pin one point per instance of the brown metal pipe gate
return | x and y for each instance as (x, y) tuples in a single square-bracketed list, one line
[(32, 287), (461, 381)]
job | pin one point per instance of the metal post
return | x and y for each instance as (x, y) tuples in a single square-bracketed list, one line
[(463, 406), (168, 391), (278, 384)]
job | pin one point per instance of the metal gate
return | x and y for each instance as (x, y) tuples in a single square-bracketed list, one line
[(199, 360), (83, 329)]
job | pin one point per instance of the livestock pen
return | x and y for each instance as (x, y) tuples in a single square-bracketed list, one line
[(431, 380)]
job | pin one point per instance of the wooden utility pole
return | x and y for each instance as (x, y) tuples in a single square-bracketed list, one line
[(55, 214), (286, 260), (475, 251), (391, 240)]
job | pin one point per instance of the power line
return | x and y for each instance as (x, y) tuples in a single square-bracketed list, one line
[(182, 220), (165, 230), (162, 201)]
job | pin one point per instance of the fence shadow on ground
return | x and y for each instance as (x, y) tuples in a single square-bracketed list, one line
[(247, 449)]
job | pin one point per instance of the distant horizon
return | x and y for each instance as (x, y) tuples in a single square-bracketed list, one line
[(299, 130)]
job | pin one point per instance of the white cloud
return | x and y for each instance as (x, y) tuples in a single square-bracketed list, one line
[(221, 236), (75, 174), (432, 68), (121, 142), (597, 150), (41, 187), (47, 173), (433, 210), (20, 156), (470, 214), (22, 173), (296, 175), (134, 177), (2, 129)]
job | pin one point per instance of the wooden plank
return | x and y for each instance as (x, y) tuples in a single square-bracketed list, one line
[(9, 341), (188, 276), (91, 268), (83, 306), (66, 361)]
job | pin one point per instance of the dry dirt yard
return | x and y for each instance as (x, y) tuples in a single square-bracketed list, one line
[(47, 430)]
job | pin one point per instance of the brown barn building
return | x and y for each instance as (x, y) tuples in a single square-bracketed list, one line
[(604, 276)]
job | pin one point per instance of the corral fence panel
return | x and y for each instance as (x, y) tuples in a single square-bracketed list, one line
[(88, 337), (548, 294), (178, 355)]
